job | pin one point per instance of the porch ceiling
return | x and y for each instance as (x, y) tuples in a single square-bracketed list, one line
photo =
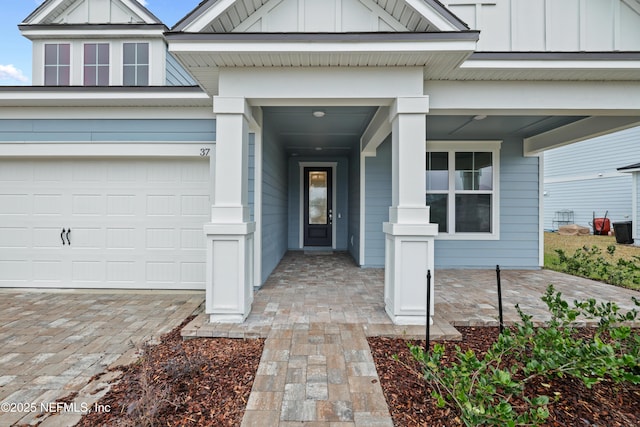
[(300, 133), (338, 132)]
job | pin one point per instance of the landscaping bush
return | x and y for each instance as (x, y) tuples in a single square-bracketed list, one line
[(488, 390), (593, 264)]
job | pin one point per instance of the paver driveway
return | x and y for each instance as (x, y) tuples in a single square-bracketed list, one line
[(53, 342)]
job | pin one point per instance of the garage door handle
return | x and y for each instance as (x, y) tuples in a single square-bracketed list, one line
[(62, 236), (68, 239)]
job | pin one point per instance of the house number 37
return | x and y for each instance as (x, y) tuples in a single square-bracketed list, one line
[(204, 152)]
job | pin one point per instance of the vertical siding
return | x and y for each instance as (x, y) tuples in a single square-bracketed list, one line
[(519, 230), (274, 204), (353, 241), (583, 177), (176, 74), (377, 202), (552, 25)]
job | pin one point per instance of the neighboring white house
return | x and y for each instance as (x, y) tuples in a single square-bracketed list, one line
[(195, 157), (634, 170), (584, 179)]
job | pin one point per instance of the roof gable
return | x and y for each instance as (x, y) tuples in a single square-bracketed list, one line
[(53, 12), (319, 16)]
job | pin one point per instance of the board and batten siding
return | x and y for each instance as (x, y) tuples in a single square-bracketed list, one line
[(176, 74), (552, 25), (519, 207), (583, 178), (274, 203), (116, 130)]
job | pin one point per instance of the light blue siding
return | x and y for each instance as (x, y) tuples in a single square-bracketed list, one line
[(377, 202), (176, 74), (274, 204), (342, 200), (107, 130), (583, 178), (519, 230), (519, 206), (353, 241)]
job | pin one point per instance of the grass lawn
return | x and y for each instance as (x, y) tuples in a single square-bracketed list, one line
[(570, 244)]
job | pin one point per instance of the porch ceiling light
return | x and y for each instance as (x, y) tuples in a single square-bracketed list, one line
[(479, 117), (318, 114)]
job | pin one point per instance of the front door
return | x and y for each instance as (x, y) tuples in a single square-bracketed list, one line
[(318, 209)]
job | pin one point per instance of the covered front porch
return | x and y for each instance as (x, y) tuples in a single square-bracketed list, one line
[(310, 288)]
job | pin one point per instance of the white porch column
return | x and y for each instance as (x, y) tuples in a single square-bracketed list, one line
[(409, 235), (230, 234)]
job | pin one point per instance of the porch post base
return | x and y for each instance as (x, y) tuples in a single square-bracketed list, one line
[(229, 288), (408, 257)]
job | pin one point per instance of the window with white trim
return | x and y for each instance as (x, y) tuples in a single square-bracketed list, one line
[(462, 188), (136, 64), (57, 64), (96, 64)]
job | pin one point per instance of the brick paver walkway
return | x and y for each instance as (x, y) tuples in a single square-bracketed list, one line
[(317, 310)]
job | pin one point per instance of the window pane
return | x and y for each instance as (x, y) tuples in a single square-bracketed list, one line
[(90, 54), (51, 76), (51, 54), (129, 77), (484, 166), (474, 171), (473, 213), (143, 53), (63, 75), (89, 76), (464, 171), (64, 52), (129, 53), (103, 54), (103, 75), (437, 176), (318, 197), (143, 75), (438, 210)]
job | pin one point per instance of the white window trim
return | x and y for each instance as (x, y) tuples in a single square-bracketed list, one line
[(477, 146)]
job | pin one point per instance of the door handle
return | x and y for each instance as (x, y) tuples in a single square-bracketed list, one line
[(330, 216), (62, 236), (68, 239)]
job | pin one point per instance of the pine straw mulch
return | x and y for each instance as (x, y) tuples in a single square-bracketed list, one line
[(200, 382), (604, 405)]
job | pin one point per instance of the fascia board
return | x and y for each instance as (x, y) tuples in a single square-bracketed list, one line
[(199, 22), (433, 16), (475, 64), (36, 34), (42, 11), (187, 46)]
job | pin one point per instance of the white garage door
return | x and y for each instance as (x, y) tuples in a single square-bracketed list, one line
[(115, 223)]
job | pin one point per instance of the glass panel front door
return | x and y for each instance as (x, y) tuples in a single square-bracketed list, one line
[(318, 214)]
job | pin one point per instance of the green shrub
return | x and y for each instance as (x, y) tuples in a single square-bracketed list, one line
[(483, 390), (591, 263)]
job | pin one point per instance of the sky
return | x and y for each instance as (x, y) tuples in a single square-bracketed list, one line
[(15, 50)]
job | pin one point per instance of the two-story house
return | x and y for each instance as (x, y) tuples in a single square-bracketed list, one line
[(406, 132)]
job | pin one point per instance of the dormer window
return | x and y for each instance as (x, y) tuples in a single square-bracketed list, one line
[(136, 64), (57, 64), (96, 64)]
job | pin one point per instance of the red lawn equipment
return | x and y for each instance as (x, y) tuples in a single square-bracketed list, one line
[(601, 226)]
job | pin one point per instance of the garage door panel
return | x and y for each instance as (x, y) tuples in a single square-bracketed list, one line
[(14, 237), (48, 204), (15, 204), (135, 223)]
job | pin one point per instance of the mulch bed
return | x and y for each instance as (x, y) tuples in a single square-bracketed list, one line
[(200, 382), (207, 382), (605, 404)]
